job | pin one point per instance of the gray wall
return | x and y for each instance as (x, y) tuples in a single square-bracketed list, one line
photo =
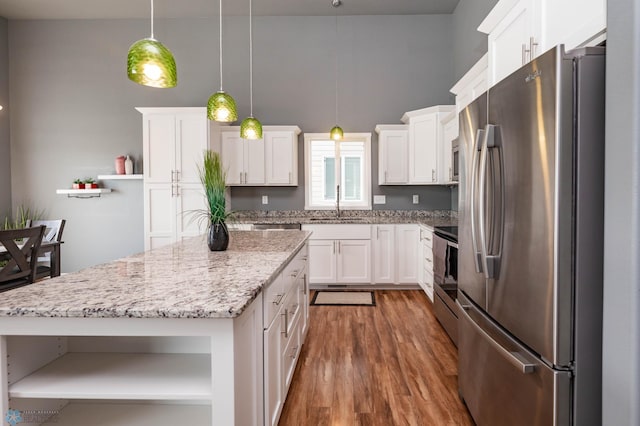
[(621, 357), (387, 65), (73, 108), (468, 43), (5, 157)]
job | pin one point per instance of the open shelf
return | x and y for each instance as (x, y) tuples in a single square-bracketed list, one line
[(81, 414), (83, 193), (130, 376), (120, 177)]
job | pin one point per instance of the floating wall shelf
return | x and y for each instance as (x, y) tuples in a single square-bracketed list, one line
[(120, 177), (83, 193)]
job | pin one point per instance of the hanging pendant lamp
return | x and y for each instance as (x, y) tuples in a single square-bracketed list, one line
[(150, 63), (250, 127), (336, 132), (221, 106)]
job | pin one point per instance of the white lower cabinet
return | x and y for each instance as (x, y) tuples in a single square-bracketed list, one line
[(407, 240), (426, 261), (384, 271), (339, 254), (286, 319)]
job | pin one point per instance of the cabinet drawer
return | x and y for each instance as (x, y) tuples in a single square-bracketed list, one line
[(273, 300), (426, 236), (291, 351), (339, 232)]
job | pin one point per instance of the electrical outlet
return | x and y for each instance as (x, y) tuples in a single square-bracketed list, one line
[(416, 198), (265, 199), (379, 199)]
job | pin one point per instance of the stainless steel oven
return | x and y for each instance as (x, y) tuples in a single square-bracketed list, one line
[(445, 279), (455, 160)]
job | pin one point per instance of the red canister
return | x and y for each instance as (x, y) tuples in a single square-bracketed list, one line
[(120, 165)]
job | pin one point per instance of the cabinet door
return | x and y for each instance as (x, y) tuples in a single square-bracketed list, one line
[(573, 23), (273, 372), (189, 198), (232, 153), (383, 254), (322, 261), (254, 162), (354, 261), (393, 157), (159, 210), (508, 40), (407, 249), (281, 155), (450, 132), (423, 149), (158, 144), (192, 138)]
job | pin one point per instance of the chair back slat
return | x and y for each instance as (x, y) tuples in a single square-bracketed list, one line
[(21, 245)]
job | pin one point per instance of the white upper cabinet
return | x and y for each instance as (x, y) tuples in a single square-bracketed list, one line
[(474, 83), (272, 161), (426, 144), (450, 132), (393, 154), (520, 30)]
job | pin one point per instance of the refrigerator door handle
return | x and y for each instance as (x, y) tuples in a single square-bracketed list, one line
[(515, 358), (477, 146), (491, 259)]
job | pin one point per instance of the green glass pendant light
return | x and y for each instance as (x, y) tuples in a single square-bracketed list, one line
[(336, 132), (250, 127), (150, 63), (221, 106)]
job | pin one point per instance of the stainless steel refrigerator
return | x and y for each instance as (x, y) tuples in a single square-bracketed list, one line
[(530, 244)]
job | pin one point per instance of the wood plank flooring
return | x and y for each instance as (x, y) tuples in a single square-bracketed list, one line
[(392, 364)]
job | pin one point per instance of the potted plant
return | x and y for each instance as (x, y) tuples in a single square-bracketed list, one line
[(89, 183), (78, 184), (213, 177)]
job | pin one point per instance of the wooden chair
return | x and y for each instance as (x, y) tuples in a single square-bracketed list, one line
[(20, 252), (46, 261)]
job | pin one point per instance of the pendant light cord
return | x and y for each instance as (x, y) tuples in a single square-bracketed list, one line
[(221, 45), (152, 19), (250, 58), (336, 66)]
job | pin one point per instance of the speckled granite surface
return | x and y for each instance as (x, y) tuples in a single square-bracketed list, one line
[(177, 281), (430, 218)]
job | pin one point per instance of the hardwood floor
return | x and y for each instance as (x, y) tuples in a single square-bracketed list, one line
[(392, 364)]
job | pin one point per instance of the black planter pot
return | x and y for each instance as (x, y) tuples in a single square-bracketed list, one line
[(218, 238)]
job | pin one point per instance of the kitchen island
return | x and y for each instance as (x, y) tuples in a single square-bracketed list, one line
[(169, 336)]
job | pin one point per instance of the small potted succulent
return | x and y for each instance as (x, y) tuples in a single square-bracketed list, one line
[(89, 183), (78, 184)]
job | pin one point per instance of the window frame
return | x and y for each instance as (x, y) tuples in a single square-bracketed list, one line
[(366, 175)]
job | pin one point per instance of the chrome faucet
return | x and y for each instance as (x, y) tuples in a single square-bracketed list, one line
[(337, 200)]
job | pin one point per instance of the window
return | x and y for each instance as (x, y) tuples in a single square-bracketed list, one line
[(332, 165)]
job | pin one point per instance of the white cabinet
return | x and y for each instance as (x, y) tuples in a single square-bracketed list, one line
[(285, 322), (242, 159), (339, 254), (272, 161), (520, 30), (173, 143), (449, 132), (407, 255), (384, 254), (473, 84), (426, 260), (425, 144), (393, 154)]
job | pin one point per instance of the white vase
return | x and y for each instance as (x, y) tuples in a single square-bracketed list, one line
[(128, 166)]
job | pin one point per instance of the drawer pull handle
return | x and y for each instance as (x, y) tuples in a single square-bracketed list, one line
[(286, 323), (294, 351), (278, 299)]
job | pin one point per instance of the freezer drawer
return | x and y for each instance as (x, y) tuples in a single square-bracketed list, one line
[(501, 382)]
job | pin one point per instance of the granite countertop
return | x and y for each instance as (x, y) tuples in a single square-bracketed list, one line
[(366, 217), (182, 280)]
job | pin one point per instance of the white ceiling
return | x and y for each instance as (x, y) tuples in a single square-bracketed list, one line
[(115, 9)]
